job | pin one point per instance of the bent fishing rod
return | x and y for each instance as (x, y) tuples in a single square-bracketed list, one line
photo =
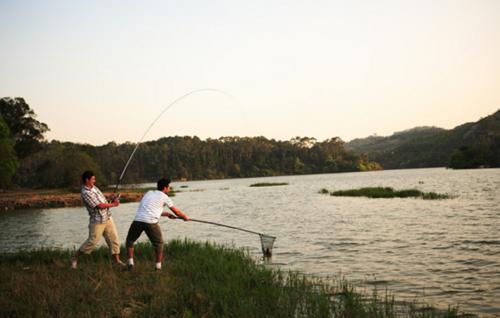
[(154, 122)]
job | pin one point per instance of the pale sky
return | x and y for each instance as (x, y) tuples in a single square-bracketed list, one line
[(101, 71)]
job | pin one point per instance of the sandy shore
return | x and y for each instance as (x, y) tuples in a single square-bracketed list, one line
[(38, 199)]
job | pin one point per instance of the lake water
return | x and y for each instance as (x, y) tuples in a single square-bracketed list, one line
[(445, 252)]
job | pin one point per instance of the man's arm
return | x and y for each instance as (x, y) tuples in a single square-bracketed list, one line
[(177, 212), (115, 199), (94, 200), (108, 205)]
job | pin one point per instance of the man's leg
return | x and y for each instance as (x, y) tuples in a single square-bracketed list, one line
[(111, 237), (153, 231), (134, 232), (95, 233)]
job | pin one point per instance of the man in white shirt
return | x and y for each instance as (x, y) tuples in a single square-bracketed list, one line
[(147, 217)]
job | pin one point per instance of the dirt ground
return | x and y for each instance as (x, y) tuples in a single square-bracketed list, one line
[(36, 199)]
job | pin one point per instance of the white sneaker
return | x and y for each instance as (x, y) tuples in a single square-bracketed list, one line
[(74, 263)]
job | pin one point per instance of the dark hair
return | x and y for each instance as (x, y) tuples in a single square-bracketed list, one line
[(87, 175), (162, 183)]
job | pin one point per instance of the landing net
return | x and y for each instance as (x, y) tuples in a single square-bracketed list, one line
[(267, 242)]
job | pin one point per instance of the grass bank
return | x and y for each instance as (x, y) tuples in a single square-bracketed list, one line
[(198, 280), (387, 192)]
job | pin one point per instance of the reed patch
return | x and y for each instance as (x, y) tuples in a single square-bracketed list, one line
[(386, 192)]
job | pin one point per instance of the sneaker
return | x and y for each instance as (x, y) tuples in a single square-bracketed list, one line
[(74, 263), (119, 264), (158, 266)]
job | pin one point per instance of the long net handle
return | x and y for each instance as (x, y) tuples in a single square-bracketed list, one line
[(228, 226)]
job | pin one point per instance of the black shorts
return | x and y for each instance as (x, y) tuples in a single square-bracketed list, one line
[(153, 232)]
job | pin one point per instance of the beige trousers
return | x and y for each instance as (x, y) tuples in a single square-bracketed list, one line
[(98, 230)]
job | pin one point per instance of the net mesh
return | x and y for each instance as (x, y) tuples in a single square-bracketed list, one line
[(267, 242)]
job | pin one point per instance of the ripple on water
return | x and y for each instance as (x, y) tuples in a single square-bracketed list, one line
[(476, 263), (380, 282), (347, 244), (443, 247)]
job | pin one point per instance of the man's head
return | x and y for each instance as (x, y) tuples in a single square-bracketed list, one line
[(88, 178), (163, 183)]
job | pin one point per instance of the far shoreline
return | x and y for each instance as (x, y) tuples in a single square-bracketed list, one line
[(25, 199)]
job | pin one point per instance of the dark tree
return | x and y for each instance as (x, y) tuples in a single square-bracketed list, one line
[(8, 159), (57, 165), (25, 130)]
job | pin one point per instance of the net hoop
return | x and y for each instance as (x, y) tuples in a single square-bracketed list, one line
[(267, 242)]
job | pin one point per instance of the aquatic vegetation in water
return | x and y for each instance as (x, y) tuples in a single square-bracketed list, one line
[(386, 192), (268, 184)]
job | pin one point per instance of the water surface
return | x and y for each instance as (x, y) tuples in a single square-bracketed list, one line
[(444, 251)]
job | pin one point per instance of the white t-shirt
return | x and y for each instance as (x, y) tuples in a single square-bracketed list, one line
[(151, 206)]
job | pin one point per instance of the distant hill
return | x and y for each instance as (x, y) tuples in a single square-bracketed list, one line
[(466, 146), (374, 144)]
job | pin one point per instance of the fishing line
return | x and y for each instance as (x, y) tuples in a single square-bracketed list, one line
[(157, 118)]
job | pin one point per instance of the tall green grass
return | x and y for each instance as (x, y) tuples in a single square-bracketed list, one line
[(198, 280)]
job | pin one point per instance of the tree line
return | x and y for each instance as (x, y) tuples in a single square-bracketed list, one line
[(32, 162)]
